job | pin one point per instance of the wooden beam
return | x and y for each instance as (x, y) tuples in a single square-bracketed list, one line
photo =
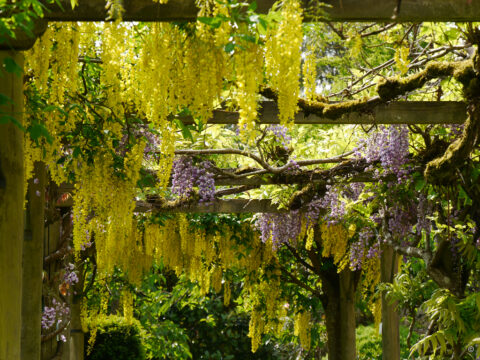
[(226, 206), (398, 112), (332, 10), (229, 206)]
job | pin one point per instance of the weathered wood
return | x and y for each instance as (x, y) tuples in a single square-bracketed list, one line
[(333, 10), (218, 206), (390, 318), (399, 112), (339, 305), (33, 265), (76, 336), (22, 40), (52, 239), (11, 213)]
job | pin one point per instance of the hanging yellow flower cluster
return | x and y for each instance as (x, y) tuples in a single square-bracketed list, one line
[(249, 75), (282, 59), (371, 278), (113, 51), (309, 71), (401, 59), (205, 257), (202, 256), (103, 208), (335, 242), (55, 52), (256, 328), (301, 328)]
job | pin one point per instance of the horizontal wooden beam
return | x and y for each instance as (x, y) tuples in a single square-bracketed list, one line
[(332, 10), (226, 206), (398, 112), (229, 206)]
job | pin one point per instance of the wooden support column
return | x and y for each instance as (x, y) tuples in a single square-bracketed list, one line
[(33, 265), (339, 306), (77, 337), (11, 212), (390, 318)]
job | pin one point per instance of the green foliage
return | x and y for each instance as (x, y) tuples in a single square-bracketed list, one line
[(409, 290), (458, 323), (183, 324), (369, 343), (116, 338)]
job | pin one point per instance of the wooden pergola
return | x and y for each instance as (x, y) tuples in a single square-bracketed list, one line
[(15, 240)]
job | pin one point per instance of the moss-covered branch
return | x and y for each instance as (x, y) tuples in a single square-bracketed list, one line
[(441, 170), (390, 88), (328, 110)]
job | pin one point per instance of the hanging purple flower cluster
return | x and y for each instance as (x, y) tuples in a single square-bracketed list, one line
[(54, 315), (334, 204), (366, 240), (185, 176), (400, 222), (70, 277), (281, 135), (283, 228), (313, 212), (389, 145), (424, 209)]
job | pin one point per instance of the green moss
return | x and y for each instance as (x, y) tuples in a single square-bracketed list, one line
[(390, 88), (442, 169)]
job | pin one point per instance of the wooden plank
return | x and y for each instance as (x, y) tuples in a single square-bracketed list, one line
[(332, 10), (225, 206), (398, 112), (229, 206)]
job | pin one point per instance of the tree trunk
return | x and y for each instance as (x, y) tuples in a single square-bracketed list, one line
[(33, 266), (390, 319), (339, 306), (11, 212)]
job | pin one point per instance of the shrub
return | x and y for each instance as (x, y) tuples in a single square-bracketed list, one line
[(115, 338)]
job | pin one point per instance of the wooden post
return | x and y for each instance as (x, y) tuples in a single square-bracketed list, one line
[(51, 347), (77, 337), (33, 265), (11, 211), (390, 319), (339, 306)]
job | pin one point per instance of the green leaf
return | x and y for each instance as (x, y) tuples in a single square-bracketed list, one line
[(37, 131), (247, 38), (420, 184), (73, 3), (12, 67), (76, 152), (229, 47), (214, 22), (262, 25), (185, 131), (38, 8)]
